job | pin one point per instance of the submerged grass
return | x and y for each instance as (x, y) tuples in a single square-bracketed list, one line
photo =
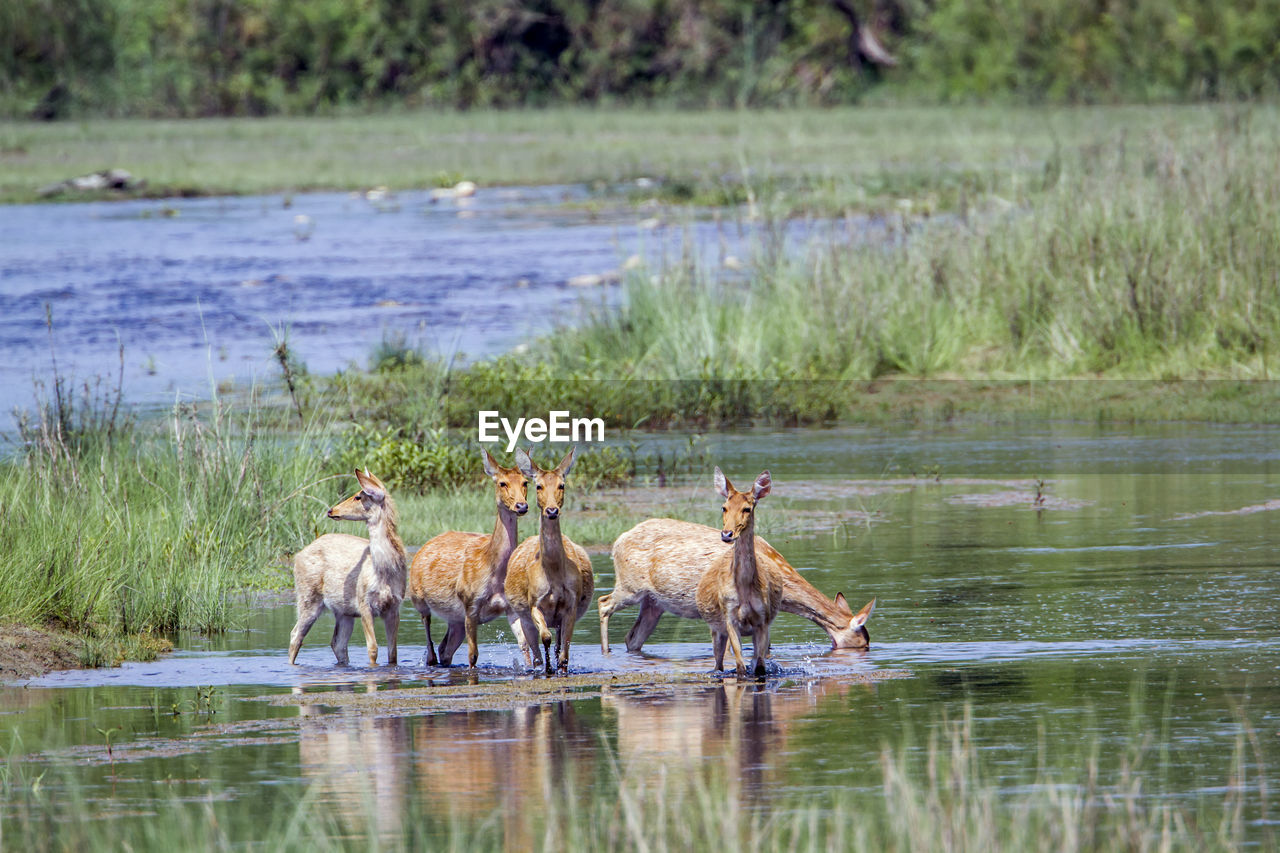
[(946, 795)]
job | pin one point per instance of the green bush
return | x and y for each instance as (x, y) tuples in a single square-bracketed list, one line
[(432, 460), (255, 57)]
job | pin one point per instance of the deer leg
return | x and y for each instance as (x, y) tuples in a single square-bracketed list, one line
[(735, 643), (605, 607), (473, 648), (370, 637), (522, 637), (450, 641), (429, 657), (760, 647), (718, 641), (544, 635), (307, 616), (565, 632), (343, 626), (391, 619), (646, 622)]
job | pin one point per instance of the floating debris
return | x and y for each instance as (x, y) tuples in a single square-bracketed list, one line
[(460, 190), (595, 279)]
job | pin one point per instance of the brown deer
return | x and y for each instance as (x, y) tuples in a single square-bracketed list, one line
[(461, 577), (549, 577), (659, 563), (353, 576), (740, 592)]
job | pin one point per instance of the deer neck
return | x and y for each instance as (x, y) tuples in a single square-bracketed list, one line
[(385, 548), (501, 544), (551, 546), (802, 599), (745, 571)]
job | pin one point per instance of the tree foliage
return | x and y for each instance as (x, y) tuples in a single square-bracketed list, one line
[(254, 57)]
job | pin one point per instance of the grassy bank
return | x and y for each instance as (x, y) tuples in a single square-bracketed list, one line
[(120, 532), (866, 158), (1141, 256), (944, 795)]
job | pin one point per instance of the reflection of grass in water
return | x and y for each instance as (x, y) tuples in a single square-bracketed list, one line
[(945, 796)]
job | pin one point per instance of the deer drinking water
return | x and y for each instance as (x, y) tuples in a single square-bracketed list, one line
[(659, 563), (549, 577), (353, 576), (461, 577)]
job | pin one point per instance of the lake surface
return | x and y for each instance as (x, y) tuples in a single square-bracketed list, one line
[(1130, 618), (199, 291)]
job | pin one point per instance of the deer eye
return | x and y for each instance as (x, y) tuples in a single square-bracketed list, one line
[(746, 510), (539, 487), (724, 508)]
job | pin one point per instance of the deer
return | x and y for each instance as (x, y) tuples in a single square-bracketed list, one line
[(549, 577), (659, 562), (353, 576), (739, 593), (461, 577)]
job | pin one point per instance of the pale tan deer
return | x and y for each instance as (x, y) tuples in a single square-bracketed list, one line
[(549, 577), (461, 577), (659, 563), (740, 592), (353, 576)]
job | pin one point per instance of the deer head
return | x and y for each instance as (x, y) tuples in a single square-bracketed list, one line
[(371, 498), (736, 514), (548, 485), (509, 483)]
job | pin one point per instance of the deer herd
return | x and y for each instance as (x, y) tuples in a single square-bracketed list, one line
[(731, 579)]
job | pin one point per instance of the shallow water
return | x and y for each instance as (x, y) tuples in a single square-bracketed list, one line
[(1118, 620)]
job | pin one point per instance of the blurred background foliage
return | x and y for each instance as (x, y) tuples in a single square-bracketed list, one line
[(66, 58)]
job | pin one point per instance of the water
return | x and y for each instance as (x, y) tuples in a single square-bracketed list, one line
[(1133, 619), (198, 292)]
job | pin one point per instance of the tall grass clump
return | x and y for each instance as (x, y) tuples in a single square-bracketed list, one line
[(116, 528), (1153, 257)]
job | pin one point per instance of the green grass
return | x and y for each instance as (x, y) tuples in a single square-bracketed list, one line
[(865, 158), (140, 529), (1144, 255)]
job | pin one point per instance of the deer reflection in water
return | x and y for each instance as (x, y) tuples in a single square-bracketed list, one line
[(512, 764), (525, 771), (357, 763), (731, 733)]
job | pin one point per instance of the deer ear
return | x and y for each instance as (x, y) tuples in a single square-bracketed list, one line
[(722, 483), (762, 485), (372, 485), (524, 462), (490, 466), (863, 615), (842, 604), (566, 464)]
